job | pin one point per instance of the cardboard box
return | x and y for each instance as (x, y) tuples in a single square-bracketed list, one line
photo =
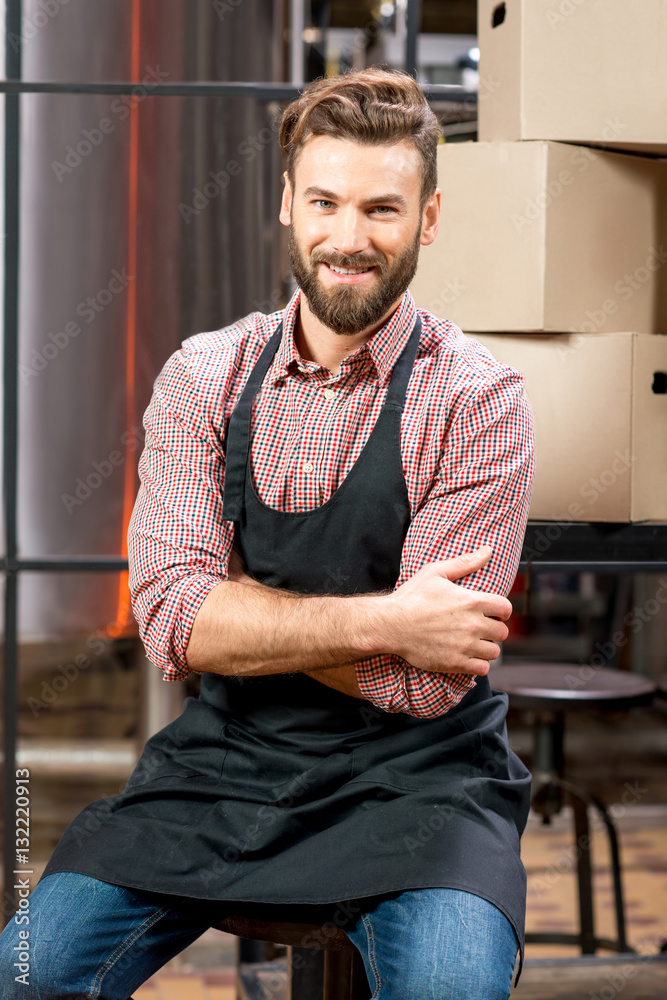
[(544, 236), (574, 70), (600, 407)]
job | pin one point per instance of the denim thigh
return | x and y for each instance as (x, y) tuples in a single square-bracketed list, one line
[(436, 944), (88, 938)]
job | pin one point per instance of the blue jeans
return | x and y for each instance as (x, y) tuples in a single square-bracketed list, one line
[(88, 938)]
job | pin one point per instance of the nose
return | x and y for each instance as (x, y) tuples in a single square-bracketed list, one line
[(349, 234)]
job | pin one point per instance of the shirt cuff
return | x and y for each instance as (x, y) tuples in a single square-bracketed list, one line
[(184, 598), (392, 684)]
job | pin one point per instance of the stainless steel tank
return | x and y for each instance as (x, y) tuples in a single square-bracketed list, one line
[(137, 231)]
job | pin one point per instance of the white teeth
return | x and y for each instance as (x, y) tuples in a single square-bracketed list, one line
[(349, 270)]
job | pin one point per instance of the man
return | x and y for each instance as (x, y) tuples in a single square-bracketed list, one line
[(314, 483)]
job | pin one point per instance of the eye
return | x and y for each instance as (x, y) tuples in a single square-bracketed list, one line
[(384, 209), (324, 202)]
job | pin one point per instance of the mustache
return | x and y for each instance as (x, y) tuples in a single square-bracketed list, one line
[(342, 260)]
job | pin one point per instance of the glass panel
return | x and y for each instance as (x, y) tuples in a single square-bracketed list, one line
[(151, 40), (90, 609), (133, 238)]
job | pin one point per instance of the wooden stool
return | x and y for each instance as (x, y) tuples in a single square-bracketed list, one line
[(322, 962), (552, 689)]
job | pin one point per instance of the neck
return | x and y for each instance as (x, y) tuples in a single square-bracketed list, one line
[(316, 342)]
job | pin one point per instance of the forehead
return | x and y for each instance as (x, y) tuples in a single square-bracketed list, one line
[(344, 166)]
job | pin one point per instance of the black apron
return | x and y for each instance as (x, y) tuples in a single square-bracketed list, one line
[(279, 790)]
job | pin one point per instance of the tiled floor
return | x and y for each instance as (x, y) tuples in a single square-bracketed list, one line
[(548, 854), (193, 987)]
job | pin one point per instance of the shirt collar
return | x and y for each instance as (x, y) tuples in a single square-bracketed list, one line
[(383, 348)]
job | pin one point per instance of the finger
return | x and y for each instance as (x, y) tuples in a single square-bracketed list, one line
[(474, 665), (496, 606), (494, 631), (482, 649), (465, 564)]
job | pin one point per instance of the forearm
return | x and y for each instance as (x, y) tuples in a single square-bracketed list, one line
[(343, 679), (245, 630)]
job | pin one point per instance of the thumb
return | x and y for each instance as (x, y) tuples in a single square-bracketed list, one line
[(466, 563)]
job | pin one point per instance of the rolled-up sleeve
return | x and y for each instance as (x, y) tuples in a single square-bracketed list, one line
[(178, 544), (480, 497)]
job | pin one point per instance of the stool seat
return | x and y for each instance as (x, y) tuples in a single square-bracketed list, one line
[(311, 936), (322, 962), (570, 687)]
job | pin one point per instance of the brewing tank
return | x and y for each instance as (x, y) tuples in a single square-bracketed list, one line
[(144, 219)]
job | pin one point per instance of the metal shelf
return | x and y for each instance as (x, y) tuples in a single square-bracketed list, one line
[(600, 548)]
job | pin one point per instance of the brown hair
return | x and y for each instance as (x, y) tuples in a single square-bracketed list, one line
[(373, 106)]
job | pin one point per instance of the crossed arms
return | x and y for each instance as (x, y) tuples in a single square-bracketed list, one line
[(416, 649)]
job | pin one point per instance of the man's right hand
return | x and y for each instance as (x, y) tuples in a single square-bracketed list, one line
[(439, 626)]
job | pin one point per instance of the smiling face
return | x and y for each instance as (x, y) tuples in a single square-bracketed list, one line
[(356, 228)]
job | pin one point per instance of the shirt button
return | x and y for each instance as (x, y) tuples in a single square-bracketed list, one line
[(329, 394), (308, 466), (303, 370)]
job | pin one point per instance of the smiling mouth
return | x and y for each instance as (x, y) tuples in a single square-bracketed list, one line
[(349, 270)]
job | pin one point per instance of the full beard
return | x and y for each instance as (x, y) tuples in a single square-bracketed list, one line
[(348, 310)]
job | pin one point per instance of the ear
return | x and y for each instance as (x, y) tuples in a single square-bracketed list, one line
[(286, 203), (431, 218)]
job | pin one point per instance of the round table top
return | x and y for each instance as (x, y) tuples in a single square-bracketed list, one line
[(570, 686)]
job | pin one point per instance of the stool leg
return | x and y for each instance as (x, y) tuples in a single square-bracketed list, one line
[(548, 758), (585, 875), (337, 975), (360, 986), (345, 976), (580, 800), (252, 951), (615, 871), (305, 974)]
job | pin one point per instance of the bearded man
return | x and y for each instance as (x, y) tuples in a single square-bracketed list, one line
[(333, 499)]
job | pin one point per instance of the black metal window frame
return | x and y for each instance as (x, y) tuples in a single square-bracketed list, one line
[(577, 547)]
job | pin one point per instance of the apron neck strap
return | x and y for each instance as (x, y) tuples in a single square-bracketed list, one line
[(238, 431)]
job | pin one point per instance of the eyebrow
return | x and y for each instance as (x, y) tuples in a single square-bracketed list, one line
[(385, 199)]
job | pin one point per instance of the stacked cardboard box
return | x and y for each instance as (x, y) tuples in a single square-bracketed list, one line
[(553, 251)]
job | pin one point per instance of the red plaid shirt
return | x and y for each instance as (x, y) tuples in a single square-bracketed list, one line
[(466, 442)]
